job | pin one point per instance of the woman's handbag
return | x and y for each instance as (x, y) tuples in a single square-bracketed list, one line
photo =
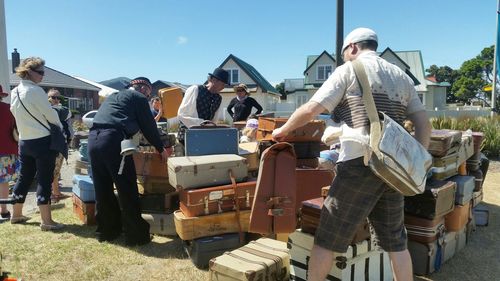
[(57, 138), (398, 158)]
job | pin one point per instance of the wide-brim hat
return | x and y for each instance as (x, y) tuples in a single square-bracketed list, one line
[(241, 86), (2, 93), (221, 75)]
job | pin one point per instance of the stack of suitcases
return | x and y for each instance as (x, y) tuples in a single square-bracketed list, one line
[(83, 187)]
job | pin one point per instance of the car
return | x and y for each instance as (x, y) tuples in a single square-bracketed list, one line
[(88, 118)]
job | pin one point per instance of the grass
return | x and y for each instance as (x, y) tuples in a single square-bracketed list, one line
[(75, 254)]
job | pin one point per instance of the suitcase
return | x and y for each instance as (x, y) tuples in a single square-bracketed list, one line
[(160, 224), (83, 151), (424, 230), (264, 259), (150, 164), (159, 203), (437, 200), (306, 149), (85, 211), (310, 182), (466, 149), (478, 179), (481, 215), (203, 171), (83, 187), (477, 197), (274, 207), (458, 218), (171, 99), (360, 262), (152, 185), (311, 132), (444, 142), (445, 167), (218, 199), (202, 250), (426, 257), (209, 141), (250, 150), (478, 142), (309, 218), (197, 227), (465, 188), (312, 163), (450, 244)]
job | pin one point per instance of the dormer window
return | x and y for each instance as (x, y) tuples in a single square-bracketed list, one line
[(234, 76), (323, 72)]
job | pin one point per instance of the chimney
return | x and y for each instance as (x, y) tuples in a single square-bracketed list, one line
[(15, 60)]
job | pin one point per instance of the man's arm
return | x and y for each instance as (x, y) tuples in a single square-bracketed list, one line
[(422, 127), (299, 118), (187, 113)]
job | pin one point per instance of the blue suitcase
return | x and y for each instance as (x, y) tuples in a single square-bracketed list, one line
[(83, 187), (208, 141), (465, 188), (202, 250)]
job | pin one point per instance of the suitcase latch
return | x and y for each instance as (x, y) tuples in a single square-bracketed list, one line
[(205, 201), (247, 199)]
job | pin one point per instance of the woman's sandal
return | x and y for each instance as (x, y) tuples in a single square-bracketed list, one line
[(18, 220)]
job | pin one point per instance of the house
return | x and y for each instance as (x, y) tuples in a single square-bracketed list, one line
[(260, 89), (160, 84)]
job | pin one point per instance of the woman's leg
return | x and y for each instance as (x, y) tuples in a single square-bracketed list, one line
[(4, 193)]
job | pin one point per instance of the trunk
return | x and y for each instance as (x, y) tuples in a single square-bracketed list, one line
[(83, 188), (444, 142), (210, 141), (437, 200), (150, 164)]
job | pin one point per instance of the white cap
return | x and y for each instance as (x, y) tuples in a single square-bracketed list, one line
[(358, 35)]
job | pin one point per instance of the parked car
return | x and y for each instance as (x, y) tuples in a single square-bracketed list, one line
[(88, 118)]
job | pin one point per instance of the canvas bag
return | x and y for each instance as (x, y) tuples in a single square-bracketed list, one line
[(397, 157)]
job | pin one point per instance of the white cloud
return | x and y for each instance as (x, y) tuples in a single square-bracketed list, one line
[(181, 40)]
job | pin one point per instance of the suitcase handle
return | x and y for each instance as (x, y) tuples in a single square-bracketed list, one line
[(279, 212)]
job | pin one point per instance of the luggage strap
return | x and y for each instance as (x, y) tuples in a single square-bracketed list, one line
[(278, 261), (278, 212), (266, 267), (277, 200), (237, 207)]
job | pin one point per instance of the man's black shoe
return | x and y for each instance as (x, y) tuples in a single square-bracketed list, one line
[(101, 237)]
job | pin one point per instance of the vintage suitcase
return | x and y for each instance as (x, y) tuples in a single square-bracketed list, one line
[(202, 250), (466, 148), (85, 211), (306, 149), (360, 262), (444, 142), (83, 187), (309, 220), (312, 163), (150, 164), (481, 215), (209, 141), (437, 200), (424, 230), (216, 224), (478, 179), (426, 257), (152, 185), (445, 167), (160, 224), (465, 188), (450, 244), (250, 150), (171, 99), (458, 218), (312, 131), (310, 182), (477, 197), (274, 207), (209, 170), (478, 142), (217, 199), (264, 259), (159, 203)]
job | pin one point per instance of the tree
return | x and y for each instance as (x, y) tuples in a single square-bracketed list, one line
[(445, 74), (281, 89)]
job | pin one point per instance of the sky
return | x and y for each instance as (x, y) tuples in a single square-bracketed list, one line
[(183, 40)]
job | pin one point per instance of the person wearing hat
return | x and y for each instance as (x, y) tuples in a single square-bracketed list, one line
[(9, 159), (242, 104), (249, 133), (201, 103), (120, 117), (357, 193)]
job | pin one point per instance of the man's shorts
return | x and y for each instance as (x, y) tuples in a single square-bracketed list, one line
[(355, 194)]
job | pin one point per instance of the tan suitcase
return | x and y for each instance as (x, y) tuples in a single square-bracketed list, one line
[(196, 227), (160, 224), (171, 99), (264, 259), (250, 150), (151, 185), (312, 131), (150, 164), (458, 218)]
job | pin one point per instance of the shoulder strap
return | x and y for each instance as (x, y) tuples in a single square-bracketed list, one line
[(17, 92)]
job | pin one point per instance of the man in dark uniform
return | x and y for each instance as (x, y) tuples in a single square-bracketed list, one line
[(121, 116)]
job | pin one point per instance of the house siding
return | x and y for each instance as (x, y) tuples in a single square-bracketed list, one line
[(312, 73)]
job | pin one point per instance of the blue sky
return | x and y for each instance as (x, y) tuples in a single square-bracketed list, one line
[(183, 40)]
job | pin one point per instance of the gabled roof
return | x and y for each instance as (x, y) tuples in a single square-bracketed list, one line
[(56, 79), (414, 60), (253, 73), (311, 60), (389, 50), (118, 83), (159, 83)]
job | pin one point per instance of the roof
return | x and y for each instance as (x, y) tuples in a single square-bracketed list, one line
[(416, 65), (183, 87), (311, 60), (118, 83), (253, 73), (105, 90), (56, 79)]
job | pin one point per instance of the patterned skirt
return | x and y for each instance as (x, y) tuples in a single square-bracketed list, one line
[(9, 167)]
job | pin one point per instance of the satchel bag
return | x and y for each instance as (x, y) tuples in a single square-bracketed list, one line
[(397, 157), (57, 139)]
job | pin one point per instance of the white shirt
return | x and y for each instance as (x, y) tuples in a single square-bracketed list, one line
[(187, 112), (36, 101)]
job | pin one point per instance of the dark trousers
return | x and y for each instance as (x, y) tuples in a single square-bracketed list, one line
[(36, 159), (104, 153)]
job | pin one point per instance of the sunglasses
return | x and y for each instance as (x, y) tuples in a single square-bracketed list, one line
[(54, 98), (41, 72)]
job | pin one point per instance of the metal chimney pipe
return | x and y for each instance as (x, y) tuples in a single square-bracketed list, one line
[(15, 60)]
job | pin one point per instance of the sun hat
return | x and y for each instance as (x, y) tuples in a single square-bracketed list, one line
[(252, 123), (221, 75), (358, 35), (241, 86)]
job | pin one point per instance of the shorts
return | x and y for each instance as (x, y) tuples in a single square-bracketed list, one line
[(355, 194), (9, 167)]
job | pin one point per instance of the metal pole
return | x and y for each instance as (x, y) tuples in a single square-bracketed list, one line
[(340, 32), (4, 67), (494, 83)]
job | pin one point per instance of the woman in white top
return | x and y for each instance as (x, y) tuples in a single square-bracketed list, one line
[(31, 109)]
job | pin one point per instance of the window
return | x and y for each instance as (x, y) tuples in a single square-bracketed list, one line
[(234, 76), (323, 72)]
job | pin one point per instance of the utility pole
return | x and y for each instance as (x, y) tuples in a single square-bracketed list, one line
[(340, 32), (495, 68), (4, 67)]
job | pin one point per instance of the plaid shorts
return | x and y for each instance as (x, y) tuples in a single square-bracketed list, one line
[(355, 194)]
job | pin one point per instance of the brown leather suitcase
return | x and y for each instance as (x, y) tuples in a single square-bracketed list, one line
[(310, 182), (424, 230), (312, 131), (444, 142), (457, 219), (273, 209), (85, 211), (217, 199), (150, 164), (309, 218), (171, 99), (311, 163), (437, 200), (250, 150), (151, 185)]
